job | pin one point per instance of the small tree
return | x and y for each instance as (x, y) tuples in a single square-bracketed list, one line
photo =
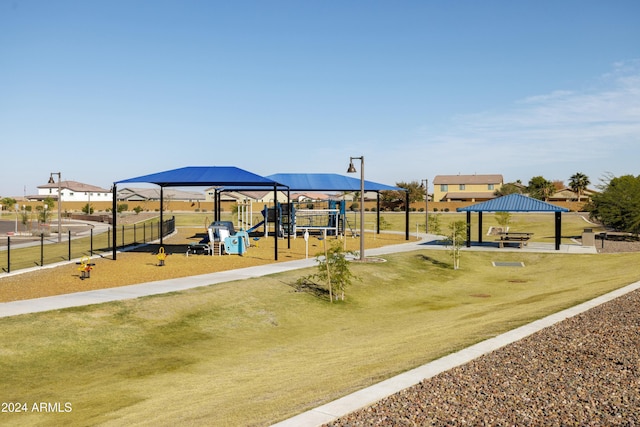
[(43, 214), (384, 224), (434, 224), (137, 210), (24, 218), (87, 209), (8, 203), (503, 218), (455, 239), (333, 269), (122, 207)]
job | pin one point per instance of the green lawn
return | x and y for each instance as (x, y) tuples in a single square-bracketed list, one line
[(254, 352)]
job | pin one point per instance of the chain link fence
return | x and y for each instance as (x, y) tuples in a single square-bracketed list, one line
[(18, 255)]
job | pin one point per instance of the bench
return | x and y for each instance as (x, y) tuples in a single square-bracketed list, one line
[(519, 238)]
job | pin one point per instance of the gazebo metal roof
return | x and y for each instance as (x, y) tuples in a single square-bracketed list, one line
[(513, 203)]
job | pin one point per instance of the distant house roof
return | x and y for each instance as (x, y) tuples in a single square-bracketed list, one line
[(142, 194), (76, 186), (513, 203), (468, 179), (310, 196)]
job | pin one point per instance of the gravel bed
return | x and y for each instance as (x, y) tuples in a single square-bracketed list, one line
[(584, 371)]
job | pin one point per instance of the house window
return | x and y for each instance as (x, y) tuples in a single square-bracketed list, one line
[(444, 187), (461, 187), (490, 187)]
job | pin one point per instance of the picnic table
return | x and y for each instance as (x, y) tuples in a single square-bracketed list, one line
[(519, 237)]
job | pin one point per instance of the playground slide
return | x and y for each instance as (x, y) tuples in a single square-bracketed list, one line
[(255, 227)]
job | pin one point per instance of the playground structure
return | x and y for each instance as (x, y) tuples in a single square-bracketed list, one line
[(326, 217), (222, 238)]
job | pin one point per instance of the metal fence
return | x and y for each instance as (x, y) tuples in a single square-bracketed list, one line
[(20, 255)]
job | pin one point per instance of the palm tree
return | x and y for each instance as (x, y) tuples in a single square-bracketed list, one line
[(578, 183)]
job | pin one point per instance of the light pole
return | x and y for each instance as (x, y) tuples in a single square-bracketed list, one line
[(352, 169), (426, 205), (51, 181)]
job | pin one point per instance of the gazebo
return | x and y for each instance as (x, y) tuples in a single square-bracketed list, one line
[(513, 203)]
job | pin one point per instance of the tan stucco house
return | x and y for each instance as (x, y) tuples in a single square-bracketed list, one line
[(466, 188)]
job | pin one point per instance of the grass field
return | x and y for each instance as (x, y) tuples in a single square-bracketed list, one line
[(256, 351)]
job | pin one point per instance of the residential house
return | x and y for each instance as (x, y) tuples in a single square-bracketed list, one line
[(72, 191), (566, 194), (466, 188)]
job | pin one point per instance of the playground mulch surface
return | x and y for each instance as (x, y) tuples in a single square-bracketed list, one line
[(142, 264)]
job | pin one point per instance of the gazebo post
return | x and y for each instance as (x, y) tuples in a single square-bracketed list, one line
[(480, 226), (558, 229), (468, 229), (406, 216), (378, 212)]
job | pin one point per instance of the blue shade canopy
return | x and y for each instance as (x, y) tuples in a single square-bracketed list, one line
[(513, 203), (327, 182), (203, 176)]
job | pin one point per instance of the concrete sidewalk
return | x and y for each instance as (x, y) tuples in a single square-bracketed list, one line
[(164, 286)]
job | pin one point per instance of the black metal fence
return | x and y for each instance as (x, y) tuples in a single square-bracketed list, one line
[(46, 250)]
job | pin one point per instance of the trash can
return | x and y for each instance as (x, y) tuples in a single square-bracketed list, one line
[(588, 237)]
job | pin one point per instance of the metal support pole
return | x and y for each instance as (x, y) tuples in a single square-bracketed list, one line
[(558, 230), (406, 214), (468, 229), (8, 254), (426, 205), (114, 221), (352, 169)]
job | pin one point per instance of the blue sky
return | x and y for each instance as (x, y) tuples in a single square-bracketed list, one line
[(103, 90)]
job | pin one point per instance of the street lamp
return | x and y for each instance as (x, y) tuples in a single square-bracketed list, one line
[(51, 181), (426, 205), (352, 169)]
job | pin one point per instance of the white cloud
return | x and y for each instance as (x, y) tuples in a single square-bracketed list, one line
[(554, 135)]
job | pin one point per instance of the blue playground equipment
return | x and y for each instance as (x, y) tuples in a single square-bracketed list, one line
[(221, 235), (329, 216)]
